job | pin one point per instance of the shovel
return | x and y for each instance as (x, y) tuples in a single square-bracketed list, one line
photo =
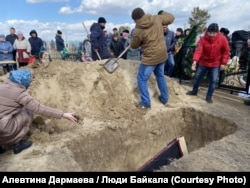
[(99, 57), (112, 64)]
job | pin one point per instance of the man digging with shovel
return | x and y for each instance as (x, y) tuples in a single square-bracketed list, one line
[(149, 36)]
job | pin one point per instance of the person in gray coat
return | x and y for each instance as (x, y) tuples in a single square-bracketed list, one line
[(17, 109), (6, 51), (133, 54)]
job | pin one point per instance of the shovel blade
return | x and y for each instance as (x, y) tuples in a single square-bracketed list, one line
[(111, 65)]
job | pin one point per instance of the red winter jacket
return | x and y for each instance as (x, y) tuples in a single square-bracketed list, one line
[(212, 51)]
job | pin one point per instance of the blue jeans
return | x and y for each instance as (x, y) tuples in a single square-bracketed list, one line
[(144, 73), (213, 73), (169, 65)]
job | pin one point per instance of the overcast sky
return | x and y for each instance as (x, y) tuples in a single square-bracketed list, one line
[(47, 16)]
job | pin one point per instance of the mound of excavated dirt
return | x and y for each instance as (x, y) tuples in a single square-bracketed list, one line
[(113, 135)]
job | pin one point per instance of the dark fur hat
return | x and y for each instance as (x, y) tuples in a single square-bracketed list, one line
[(125, 31)]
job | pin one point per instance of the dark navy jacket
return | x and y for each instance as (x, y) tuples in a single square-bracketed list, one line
[(59, 43), (98, 41), (36, 45)]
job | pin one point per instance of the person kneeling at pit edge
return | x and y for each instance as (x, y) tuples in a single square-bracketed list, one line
[(17, 110)]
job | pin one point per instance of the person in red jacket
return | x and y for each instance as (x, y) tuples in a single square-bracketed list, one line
[(211, 55)]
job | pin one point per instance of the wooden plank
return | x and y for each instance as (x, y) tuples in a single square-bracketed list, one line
[(183, 145), (9, 62)]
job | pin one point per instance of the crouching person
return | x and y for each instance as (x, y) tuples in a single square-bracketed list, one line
[(17, 108)]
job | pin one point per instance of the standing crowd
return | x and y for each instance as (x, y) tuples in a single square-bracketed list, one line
[(100, 44), (15, 47), (24, 50)]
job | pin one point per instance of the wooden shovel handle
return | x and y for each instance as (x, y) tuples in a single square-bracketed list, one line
[(124, 51), (99, 57)]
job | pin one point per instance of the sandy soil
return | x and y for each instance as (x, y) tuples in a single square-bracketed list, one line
[(113, 135)]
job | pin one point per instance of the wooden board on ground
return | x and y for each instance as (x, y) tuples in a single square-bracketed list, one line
[(9, 62)]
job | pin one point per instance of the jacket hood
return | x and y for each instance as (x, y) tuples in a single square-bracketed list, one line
[(145, 21), (33, 31), (22, 77)]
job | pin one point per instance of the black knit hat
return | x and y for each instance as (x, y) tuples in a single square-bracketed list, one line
[(213, 27), (137, 13), (59, 32), (101, 20)]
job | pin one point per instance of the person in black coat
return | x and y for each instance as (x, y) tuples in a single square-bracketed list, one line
[(98, 40), (36, 43), (225, 32), (114, 46), (59, 41)]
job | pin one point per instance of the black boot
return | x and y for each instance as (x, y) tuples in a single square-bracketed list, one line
[(2, 150), (191, 93), (247, 102), (21, 146)]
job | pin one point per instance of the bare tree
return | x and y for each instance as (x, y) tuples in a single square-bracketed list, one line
[(199, 17)]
